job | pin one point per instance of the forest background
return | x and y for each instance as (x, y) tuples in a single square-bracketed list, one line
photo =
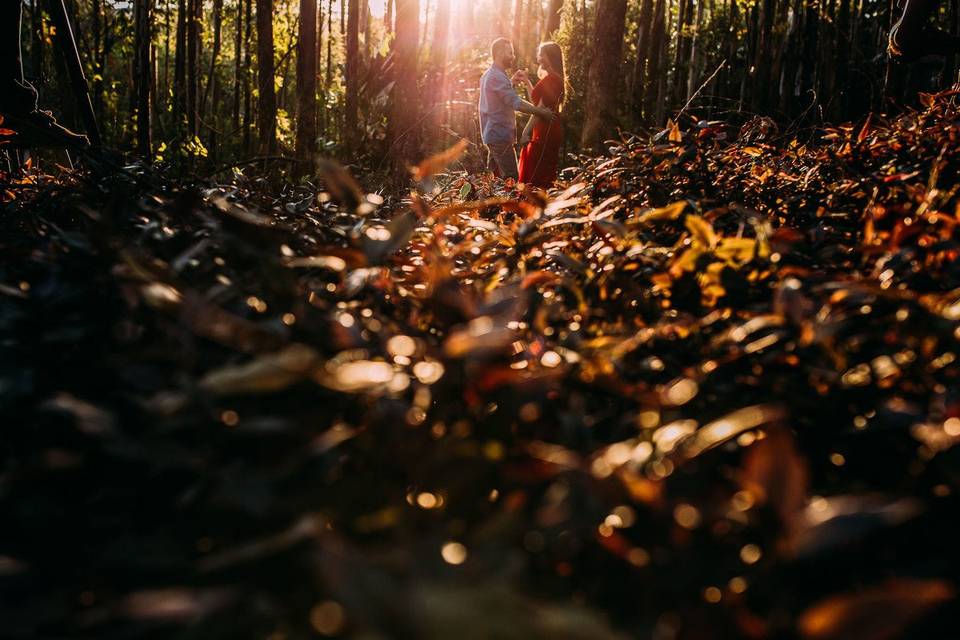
[(379, 84)]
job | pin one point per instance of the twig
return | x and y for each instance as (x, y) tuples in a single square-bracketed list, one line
[(697, 92)]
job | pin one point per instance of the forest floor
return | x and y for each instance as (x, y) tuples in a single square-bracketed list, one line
[(706, 389)]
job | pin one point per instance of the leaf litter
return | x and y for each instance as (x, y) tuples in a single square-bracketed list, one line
[(707, 388)]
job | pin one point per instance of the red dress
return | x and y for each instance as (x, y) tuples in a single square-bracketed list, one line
[(540, 156)]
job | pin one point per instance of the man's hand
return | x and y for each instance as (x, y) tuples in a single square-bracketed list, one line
[(524, 139), (519, 76), (546, 114)]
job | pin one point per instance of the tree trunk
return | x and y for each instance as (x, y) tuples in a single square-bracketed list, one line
[(367, 28), (644, 27), (682, 53), (788, 80), (466, 22), (166, 49), (238, 66), (517, 36), (530, 29), (731, 47), (328, 80), (180, 66), (267, 103), (352, 74), (694, 72), (438, 62), (441, 29), (247, 76), (653, 103), (604, 75), (142, 39), (502, 17), (843, 60), (404, 108), (98, 71), (426, 26), (553, 19), (193, 65), (307, 81), (321, 109), (213, 83), (36, 29), (761, 63)]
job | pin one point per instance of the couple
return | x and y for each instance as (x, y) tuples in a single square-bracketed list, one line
[(543, 135)]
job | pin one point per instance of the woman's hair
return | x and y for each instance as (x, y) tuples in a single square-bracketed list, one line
[(552, 52)]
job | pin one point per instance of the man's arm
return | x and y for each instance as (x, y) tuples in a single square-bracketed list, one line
[(543, 112), (510, 97)]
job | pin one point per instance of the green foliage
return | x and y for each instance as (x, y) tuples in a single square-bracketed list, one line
[(573, 35)]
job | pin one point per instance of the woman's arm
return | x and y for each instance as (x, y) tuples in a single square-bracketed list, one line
[(528, 129), (522, 76)]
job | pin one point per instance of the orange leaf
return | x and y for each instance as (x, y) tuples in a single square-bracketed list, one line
[(865, 130), (675, 135), (439, 161), (537, 278), (881, 612)]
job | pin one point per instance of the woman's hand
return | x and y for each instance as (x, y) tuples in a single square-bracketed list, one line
[(524, 138), (520, 76)]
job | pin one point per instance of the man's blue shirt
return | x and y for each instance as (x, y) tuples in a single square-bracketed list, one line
[(498, 106)]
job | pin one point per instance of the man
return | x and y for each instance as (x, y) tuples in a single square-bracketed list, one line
[(18, 98), (499, 103)]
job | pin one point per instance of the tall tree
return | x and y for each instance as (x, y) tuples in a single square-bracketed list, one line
[(682, 51), (530, 30), (142, 37), (307, 80), (367, 28), (402, 130), (36, 30), (328, 79), (321, 103), (603, 77), (352, 73), (502, 22), (180, 66), (213, 81), (764, 50), (267, 102), (644, 26), (696, 50), (553, 18), (247, 79), (517, 35), (97, 32), (194, 9), (441, 32), (426, 26), (238, 66), (438, 62)]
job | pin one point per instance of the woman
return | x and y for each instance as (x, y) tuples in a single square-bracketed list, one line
[(542, 140)]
